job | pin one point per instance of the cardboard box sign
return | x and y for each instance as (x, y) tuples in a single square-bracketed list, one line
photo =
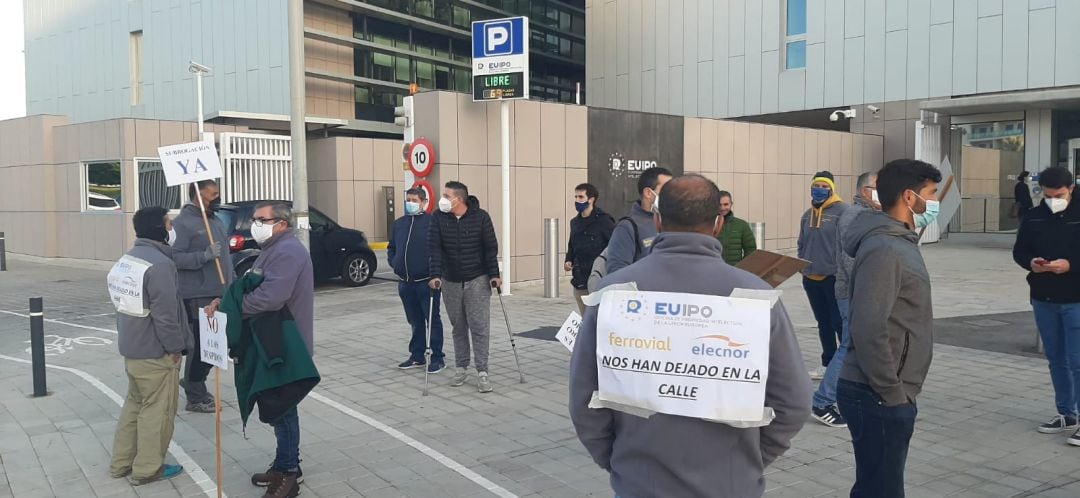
[(771, 267)]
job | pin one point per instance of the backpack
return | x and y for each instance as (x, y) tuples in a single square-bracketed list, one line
[(599, 267)]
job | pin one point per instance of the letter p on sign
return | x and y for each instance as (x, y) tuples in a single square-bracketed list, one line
[(497, 39)]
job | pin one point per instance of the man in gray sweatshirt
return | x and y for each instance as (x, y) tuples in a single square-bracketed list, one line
[(669, 455), (152, 336), (633, 235), (891, 326), (200, 282)]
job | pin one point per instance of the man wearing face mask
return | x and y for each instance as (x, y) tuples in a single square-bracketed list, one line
[(590, 232), (408, 253), (199, 281), (633, 235), (891, 323), (152, 335), (464, 253), (669, 455), (1048, 246), (817, 244), (824, 409)]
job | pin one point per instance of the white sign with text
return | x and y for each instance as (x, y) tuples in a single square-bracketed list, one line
[(125, 282), (189, 163), (567, 334), (213, 343)]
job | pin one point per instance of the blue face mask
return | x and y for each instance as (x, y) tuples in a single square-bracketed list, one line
[(820, 194), (412, 208), (928, 216), (581, 206)]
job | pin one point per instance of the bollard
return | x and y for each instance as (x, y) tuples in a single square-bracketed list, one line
[(37, 345), (3, 253), (551, 257), (758, 227)]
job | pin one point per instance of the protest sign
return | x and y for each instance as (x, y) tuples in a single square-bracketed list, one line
[(567, 334), (771, 267), (125, 282), (213, 345), (684, 354), (189, 163)]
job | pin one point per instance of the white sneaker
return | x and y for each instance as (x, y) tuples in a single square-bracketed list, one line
[(483, 384), (459, 378), (817, 373)]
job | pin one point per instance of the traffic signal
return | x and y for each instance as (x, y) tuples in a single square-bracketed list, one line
[(403, 113)]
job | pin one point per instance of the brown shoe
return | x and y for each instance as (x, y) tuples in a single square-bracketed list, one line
[(262, 479), (282, 485)]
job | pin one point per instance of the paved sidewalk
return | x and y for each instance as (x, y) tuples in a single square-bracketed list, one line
[(368, 432)]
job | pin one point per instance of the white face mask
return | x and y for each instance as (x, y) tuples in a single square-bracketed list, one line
[(445, 205), (656, 202), (262, 232), (1056, 205), (172, 236), (874, 197)]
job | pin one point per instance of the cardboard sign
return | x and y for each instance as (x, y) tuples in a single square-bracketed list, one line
[(567, 334), (771, 267), (213, 344), (189, 163), (684, 354), (125, 282)]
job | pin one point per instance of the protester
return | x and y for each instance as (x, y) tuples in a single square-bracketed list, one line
[(287, 283), (737, 237), (151, 339), (1046, 246), (824, 409), (465, 266), (1022, 193), (891, 325), (200, 283), (668, 455), (408, 253), (590, 232), (633, 235), (817, 244)]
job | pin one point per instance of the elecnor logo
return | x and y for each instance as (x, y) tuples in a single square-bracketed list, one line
[(632, 168)]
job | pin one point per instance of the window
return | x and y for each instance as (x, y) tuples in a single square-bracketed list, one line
[(136, 55), (795, 34), (102, 187), (152, 188)]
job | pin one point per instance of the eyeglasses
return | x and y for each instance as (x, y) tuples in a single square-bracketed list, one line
[(265, 221)]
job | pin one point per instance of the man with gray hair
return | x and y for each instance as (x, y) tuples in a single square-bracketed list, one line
[(288, 282), (825, 410)]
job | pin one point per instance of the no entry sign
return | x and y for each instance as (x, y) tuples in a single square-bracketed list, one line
[(421, 157)]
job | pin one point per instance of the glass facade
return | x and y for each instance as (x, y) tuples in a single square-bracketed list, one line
[(400, 52)]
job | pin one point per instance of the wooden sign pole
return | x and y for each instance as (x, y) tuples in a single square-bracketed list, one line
[(217, 371)]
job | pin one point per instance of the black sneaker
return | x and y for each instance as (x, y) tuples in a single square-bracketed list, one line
[(262, 479), (1074, 439), (410, 363), (436, 366), (1060, 423), (829, 416)]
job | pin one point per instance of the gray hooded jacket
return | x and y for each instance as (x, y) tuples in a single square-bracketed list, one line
[(891, 311), (845, 263), (165, 330), (668, 455), (197, 272), (621, 250), (817, 239)]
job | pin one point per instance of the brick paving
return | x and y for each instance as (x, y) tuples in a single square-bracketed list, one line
[(974, 437)]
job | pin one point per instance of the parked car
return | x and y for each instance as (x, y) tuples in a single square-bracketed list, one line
[(336, 251)]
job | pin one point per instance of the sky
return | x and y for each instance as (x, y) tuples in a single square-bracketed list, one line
[(13, 82)]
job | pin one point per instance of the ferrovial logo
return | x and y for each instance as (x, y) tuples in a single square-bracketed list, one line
[(632, 168)]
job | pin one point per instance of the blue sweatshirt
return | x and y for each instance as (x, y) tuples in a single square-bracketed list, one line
[(408, 251)]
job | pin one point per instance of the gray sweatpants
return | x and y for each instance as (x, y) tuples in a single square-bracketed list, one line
[(468, 304)]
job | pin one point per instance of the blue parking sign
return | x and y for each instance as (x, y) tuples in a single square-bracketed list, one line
[(498, 37)]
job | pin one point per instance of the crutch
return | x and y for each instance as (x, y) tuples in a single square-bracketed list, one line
[(512, 344), (427, 352)]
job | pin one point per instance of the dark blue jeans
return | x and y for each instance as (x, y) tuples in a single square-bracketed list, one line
[(822, 296), (416, 297), (1059, 327), (881, 435), (287, 431)]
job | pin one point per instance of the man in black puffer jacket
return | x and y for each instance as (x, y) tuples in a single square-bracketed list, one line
[(590, 232), (464, 253)]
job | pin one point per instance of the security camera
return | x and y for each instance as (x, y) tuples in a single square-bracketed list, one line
[(873, 108), (195, 67), (845, 113)]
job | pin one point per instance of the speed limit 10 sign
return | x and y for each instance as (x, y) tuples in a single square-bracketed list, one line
[(421, 157)]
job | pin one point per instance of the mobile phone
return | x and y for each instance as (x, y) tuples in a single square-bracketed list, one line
[(1040, 261)]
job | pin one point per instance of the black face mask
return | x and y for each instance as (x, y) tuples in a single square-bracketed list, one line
[(214, 204)]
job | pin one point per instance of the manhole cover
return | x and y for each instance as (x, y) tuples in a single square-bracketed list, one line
[(986, 323), (542, 333)]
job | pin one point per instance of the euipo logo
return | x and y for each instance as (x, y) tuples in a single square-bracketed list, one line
[(635, 309), (615, 164), (632, 168), (720, 346)]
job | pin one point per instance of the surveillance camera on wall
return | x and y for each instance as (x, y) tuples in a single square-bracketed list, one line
[(873, 108), (195, 67), (845, 113)]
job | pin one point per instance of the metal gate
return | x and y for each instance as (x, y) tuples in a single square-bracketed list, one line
[(256, 167)]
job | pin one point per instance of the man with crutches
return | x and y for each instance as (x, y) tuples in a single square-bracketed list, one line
[(408, 253), (465, 267)]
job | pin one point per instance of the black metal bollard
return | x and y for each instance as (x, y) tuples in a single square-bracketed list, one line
[(3, 253), (37, 345)]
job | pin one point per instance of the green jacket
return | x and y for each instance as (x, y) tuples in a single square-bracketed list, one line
[(273, 367), (737, 239)]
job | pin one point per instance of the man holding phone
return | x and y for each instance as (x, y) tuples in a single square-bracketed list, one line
[(1047, 245)]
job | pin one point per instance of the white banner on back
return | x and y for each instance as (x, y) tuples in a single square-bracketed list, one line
[(189, 163), (213, 344), (125, 283), (684, 354)]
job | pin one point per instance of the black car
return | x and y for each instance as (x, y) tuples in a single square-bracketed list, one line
[(336, 251)]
